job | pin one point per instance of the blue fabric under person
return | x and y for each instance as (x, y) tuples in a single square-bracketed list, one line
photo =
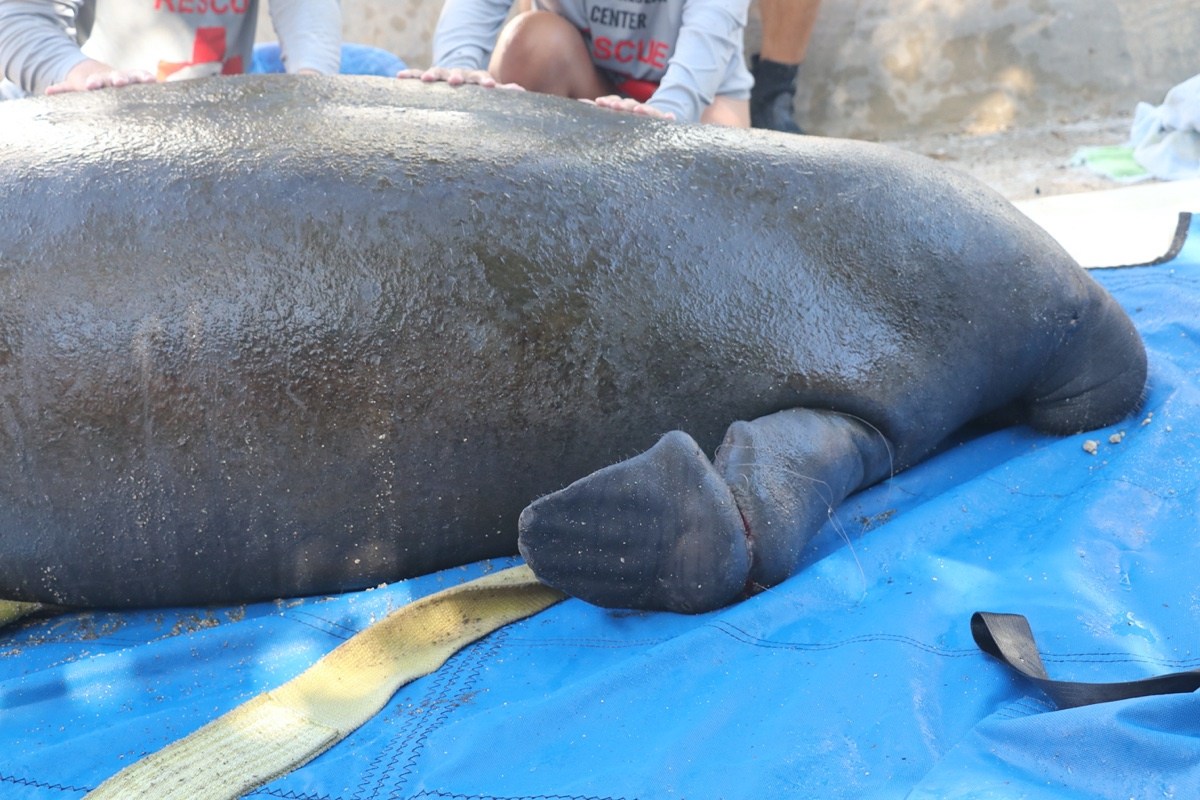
[(357, 59)]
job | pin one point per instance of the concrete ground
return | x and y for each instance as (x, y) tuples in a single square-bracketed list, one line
[(1029, 161)]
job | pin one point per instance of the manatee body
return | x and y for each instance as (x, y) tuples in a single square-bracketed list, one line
[(264, 336)]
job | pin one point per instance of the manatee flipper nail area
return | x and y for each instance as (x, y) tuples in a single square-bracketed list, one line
[(263, 337)]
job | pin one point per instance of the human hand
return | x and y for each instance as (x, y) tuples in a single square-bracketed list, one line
[(614, 102), (457, 76), (90, 74)]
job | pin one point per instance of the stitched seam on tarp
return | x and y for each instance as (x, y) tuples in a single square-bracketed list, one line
[(57, 787), (596, 644), (1025, 707), (414, 744), (404, 746), (467, 671), (456, 677), (1086, 658), (740, 635), (291, 795), (319, 623), (1120, 658), (444, 796)]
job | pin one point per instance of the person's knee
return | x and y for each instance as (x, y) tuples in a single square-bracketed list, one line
[(537, 49)]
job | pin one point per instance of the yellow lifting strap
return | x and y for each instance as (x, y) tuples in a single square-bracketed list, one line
[(286, 727), (11, 611)]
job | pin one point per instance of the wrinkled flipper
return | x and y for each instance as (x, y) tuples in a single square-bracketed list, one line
[(788, 472), (1096, 377), (670, 530), (660, 530)]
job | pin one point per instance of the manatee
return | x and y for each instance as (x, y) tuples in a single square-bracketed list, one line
[(271, 336)]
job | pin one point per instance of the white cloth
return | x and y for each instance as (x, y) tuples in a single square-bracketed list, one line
[(1166, 138)]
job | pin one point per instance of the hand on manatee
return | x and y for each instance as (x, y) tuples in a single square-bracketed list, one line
[(615, 102), (90, 74), (457, 76)]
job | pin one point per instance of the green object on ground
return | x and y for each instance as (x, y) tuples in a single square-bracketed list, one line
[(1111, 161)]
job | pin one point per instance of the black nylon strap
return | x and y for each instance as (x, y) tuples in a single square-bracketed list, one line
[(1009, 638)]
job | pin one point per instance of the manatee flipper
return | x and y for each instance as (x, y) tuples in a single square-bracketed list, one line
[(658, 531), (788, 471), (1096, 377), (670, 530)]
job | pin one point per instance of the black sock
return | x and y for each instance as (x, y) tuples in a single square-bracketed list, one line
[(771, 100)]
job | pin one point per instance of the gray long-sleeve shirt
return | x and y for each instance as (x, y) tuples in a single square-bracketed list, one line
[(174, 39), (691, 48)]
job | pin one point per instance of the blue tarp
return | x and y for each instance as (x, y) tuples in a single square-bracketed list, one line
[(856, 678), (357, 59)]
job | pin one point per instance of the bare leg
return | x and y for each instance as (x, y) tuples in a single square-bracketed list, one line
[(727, 111), (669, 530), (545, 53), (787, 27)]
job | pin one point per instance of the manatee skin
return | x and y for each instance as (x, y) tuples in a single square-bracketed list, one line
[(267, 336)]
